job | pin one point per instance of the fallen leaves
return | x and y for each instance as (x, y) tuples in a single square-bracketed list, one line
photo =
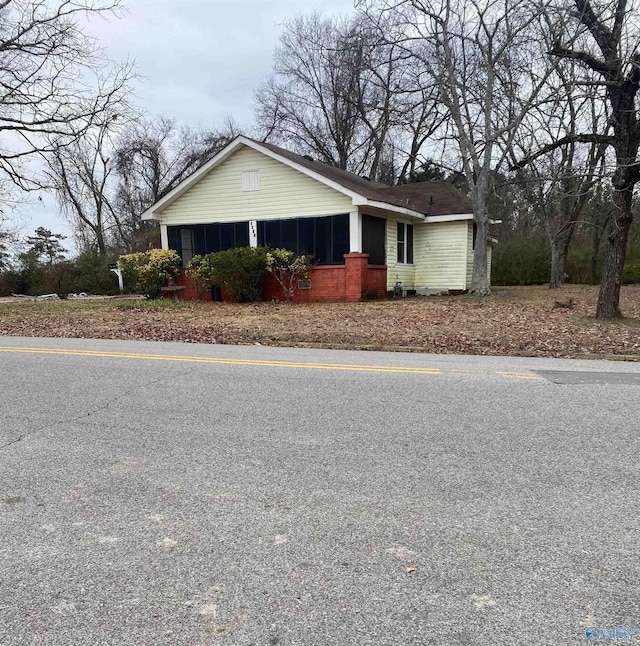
[(520, 321)]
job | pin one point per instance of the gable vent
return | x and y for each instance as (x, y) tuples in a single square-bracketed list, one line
[(250, 180)]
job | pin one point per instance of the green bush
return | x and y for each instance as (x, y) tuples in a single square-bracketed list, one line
[(288, 269), (10, 283), (521, 261), (239, 271), (89, 272), (146, 272), (631, 275)]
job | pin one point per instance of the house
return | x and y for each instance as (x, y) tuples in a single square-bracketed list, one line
[(365, 237)]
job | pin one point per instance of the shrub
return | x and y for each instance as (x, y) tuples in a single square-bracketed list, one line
[(147, 271), (239, 271), (10, 283), (631, 275), (521, 261), (89, 272), (199, 270), (288, 268)]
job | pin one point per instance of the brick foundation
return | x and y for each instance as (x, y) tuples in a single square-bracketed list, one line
[(329, 283), (189, 293)]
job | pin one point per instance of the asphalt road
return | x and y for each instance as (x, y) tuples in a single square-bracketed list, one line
[(180, 494)]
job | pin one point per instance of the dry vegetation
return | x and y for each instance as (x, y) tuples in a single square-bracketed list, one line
[(525, 321)]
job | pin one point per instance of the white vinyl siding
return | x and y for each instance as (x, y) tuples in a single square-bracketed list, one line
[(470, 257), (469, 254), (441, 255), (284, 193), (395, 271)]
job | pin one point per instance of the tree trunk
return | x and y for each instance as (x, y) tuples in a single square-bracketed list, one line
[(557, 266), (596, 236), (608, 306), (102, 246), (559, 252), (480, 278)]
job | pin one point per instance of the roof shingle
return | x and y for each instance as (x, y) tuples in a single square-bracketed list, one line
[(429, 198)]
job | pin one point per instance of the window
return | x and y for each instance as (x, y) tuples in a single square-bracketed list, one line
[(250, 180), (405, 243)]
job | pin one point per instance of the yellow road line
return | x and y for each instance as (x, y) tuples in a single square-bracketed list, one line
[(521, 375), (258, 362), (232, 362)]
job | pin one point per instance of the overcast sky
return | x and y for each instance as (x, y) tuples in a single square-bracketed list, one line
[(199, 61)]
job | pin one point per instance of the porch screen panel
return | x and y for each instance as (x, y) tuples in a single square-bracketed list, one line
[(323, 250), (307, 236), (212, 234), (199, 239), (173, 238), (271, 233), (373, 238), (220, 237), (340, 237), (289, 235), (242, 234), (227, 236), (325, 239)]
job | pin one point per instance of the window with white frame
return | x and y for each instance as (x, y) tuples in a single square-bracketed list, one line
[(405, 243), (250, 180)]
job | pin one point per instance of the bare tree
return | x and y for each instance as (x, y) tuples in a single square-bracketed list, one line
[(481, 56), (105, 181), (561, 183), (346, 95), (603, 38), (152, 158), (55, 83), (310, 103), (82, 175)]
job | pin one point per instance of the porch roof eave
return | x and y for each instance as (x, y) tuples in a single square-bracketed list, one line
[(390, 209)]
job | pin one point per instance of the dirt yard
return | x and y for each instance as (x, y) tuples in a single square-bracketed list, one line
[(521, 321)]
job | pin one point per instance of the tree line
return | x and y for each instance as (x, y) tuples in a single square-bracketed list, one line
[(530, 108)]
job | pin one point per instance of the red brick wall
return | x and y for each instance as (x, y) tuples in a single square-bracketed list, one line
[(329, 283), (189, 293), (376, 281)]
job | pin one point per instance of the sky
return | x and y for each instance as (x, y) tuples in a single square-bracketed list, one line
[(199, 61)]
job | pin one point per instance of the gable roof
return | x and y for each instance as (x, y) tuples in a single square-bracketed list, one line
[(429, 198), (414, 200)]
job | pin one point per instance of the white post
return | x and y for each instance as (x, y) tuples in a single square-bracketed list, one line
[(355, 232), (164, 236), (253, 233), (118, 272)]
